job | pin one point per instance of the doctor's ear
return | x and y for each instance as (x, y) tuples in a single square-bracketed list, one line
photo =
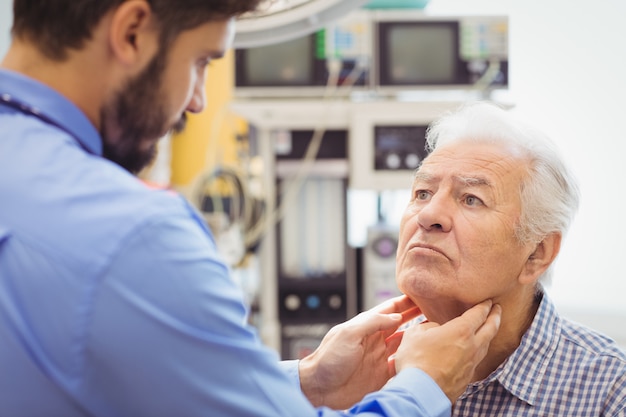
[(133, 38), (541, 258)]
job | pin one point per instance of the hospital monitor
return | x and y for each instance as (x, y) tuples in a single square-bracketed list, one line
[(418, 51)]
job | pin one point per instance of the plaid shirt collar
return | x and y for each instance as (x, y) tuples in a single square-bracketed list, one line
[(522, 372)]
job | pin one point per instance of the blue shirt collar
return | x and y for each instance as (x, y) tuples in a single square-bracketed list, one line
[(51, 107)]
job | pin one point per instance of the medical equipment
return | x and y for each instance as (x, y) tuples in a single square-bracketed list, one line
[(387, 141), (417, 50), (303, 66), (391, 51), (379, 265)]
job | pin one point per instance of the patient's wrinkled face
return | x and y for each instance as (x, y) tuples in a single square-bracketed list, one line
[(457, 242)]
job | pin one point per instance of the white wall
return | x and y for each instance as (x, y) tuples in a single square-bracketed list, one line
[(568, 75), (6, 13)]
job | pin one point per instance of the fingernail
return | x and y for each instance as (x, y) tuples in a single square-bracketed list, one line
[(395, 316)]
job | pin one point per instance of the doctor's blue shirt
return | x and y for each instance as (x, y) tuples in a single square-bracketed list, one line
[(113, 298)]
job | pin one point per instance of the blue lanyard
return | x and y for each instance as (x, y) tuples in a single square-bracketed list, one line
[(29, 110), (9, 101)]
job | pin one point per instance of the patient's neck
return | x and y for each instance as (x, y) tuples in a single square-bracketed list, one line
[(518, 311), (516, 320)]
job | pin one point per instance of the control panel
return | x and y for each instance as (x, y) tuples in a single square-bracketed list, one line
[(399, 147)]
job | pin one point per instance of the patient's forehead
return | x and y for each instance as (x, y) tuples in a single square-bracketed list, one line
[(473, 155)]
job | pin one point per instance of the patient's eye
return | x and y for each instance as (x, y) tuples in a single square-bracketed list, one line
[(472, 200), (422, 195)]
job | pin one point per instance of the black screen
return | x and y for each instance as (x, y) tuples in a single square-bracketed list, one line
[(419, 53), (289, 63)]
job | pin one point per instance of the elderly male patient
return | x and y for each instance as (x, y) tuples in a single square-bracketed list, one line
[(488, 210)]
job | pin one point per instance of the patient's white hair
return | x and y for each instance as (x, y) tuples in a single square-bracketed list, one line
[(549, 194)]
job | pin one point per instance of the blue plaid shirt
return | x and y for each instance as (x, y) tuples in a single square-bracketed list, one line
[(559, 369)]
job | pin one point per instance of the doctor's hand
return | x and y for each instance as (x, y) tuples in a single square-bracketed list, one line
[(451, 352), (352, 359)]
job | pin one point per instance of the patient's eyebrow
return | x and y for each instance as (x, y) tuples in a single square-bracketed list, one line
[(466, 180), (470, 181), (429, 179), (424, 177)]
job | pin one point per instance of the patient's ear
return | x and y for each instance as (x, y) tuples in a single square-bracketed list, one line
[(541, 258)]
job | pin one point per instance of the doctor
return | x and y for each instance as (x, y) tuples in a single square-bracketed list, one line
[(113, 299)]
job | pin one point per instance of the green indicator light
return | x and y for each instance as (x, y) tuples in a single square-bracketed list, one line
[(320, 44)]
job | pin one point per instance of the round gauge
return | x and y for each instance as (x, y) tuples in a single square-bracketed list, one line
[(385, 246)]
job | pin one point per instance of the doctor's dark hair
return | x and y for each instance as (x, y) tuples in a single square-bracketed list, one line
[(56, 26)]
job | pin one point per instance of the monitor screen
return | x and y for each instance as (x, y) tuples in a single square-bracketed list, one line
[(419, 53), (301, 62), (290, 63)]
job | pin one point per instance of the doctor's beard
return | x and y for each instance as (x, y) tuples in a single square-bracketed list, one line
[(134, 121)]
